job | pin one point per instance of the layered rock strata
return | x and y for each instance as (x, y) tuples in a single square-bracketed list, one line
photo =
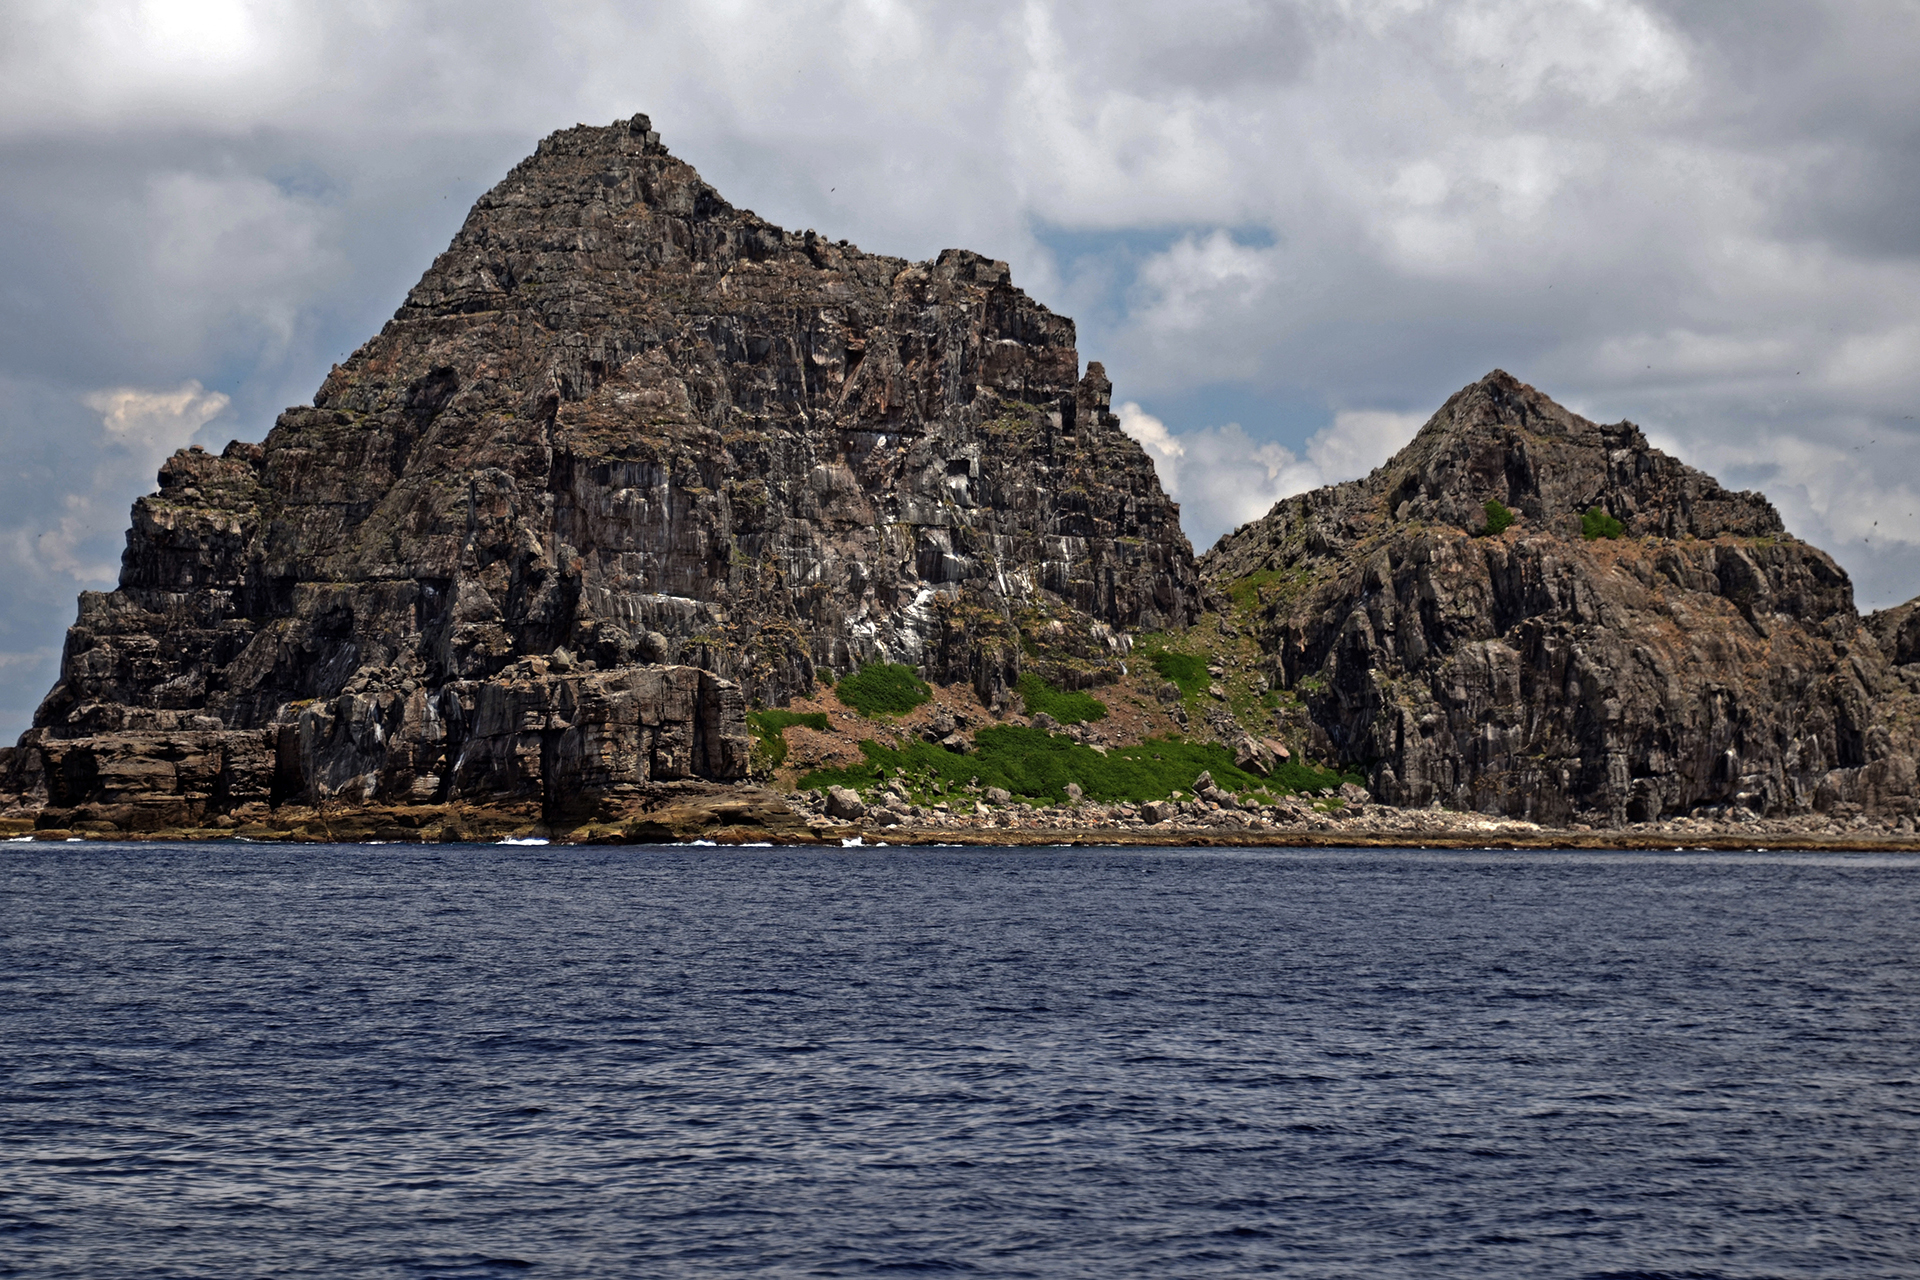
[(625, 458), (561, 749), (1703, 659)]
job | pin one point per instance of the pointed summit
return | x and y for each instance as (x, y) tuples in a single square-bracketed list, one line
[(1528, 613), (626, 458), (1499, 439)]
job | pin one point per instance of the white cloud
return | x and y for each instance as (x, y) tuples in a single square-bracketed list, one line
[(65, 548), (1152, 435), (1223, 478), (141, 430), (1360, 440), (156, 422), (226, 248), (1595, 50)]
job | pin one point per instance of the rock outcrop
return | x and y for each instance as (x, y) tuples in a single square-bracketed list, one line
[(625, 459), (1700, 660), (628, 460)]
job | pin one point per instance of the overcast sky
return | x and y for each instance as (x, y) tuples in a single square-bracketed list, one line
[(1290, 230)]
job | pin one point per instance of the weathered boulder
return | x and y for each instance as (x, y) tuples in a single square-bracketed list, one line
[(1253, 756), (1704, 658), (845, 804)]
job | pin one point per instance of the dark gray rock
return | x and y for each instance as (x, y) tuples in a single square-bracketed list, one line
[(624, 427), (1704, 657)]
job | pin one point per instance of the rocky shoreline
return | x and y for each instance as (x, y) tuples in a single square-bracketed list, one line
[(740, 815), (644, 519)]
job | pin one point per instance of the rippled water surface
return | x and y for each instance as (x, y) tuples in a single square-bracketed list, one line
[(393, 1061)]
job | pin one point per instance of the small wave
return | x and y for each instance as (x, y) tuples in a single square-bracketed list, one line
[(523, 840)]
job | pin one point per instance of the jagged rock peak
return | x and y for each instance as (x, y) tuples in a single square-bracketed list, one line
[(617, 406), (1691, 657), (1501, 439), (626, 426)]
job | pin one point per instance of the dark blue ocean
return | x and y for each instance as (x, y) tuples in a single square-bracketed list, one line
[(232, 1060)]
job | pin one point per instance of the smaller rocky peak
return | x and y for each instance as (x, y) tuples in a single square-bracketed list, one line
[(1500, 399), (1501, 440)]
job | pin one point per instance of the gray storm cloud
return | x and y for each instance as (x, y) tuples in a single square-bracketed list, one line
[(1290, 230)]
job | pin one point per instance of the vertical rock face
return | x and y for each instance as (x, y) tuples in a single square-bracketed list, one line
[(1702, 657), (625, 458)]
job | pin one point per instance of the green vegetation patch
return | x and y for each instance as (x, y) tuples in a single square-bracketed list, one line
[(1499, 517), (1037, 766), (1065, 705), (1187, 670), (1245, 592), (1596, 523), (770, 728), (883, 689)]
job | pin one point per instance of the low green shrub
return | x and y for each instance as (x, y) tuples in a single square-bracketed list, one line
[(883, 689), (1065, 705), (1596, 523), (769, 729), (1187, 670), (1499, 517), (1036, 766)]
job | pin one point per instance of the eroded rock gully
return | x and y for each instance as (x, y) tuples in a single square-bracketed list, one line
[(626, 458), (1704, 660)]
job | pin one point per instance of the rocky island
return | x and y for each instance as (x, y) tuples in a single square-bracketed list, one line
[(601, 535)]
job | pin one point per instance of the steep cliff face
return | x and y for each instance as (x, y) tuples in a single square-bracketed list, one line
[(619, 428), (1701, 658)]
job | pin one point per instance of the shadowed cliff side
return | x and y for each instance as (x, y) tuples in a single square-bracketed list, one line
[(1639, 643)]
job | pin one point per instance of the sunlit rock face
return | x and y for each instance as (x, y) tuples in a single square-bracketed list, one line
[(1701, 658), (619, 425)]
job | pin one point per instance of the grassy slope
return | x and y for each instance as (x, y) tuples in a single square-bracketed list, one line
[(1037, 766)]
